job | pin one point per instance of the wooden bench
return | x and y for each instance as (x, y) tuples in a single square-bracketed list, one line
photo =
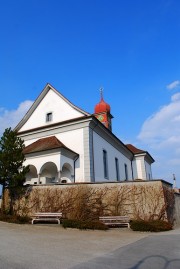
[(46, 216), (115, 220)]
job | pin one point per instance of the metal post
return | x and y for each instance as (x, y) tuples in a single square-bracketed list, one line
[(174, 181)]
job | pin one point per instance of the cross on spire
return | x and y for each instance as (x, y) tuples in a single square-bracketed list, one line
[(101, 93)]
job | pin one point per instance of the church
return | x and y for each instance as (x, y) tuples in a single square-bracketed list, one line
[(65, 144)]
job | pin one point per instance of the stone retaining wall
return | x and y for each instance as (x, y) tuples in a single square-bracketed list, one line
[(177, 209), (137, 199)]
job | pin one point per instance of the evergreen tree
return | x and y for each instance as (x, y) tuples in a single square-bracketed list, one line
[(12, 171)]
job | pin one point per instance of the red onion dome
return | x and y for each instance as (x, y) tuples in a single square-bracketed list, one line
[(102, 106)]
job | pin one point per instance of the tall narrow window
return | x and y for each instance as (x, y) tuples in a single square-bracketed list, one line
[(49, 117), (126, 171), (117, 168), (105, 163)]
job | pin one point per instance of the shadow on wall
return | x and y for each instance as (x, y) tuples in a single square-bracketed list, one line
[(157, 261)]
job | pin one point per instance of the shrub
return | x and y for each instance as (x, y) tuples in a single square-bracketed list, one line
[(14, 218), (150, 226), (23, 219), (84, 225)]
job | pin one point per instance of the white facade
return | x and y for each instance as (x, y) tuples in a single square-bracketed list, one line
[(66, 144), (101, 144), (142, 167)]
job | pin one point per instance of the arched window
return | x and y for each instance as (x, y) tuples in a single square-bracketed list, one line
[(105, 163)]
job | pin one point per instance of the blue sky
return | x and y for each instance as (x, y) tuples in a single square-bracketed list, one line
[(130, 48)]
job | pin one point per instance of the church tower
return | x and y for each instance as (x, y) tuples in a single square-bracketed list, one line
[(102, 112)]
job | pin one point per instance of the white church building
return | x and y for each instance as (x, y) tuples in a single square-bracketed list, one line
[(65, 144)]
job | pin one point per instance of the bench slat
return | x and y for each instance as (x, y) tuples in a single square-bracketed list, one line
[(46, 216), (115, 220)]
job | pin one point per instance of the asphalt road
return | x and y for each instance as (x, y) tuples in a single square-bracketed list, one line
[(52, 247)]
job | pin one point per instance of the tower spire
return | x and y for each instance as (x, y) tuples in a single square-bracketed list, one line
[(101, 93)]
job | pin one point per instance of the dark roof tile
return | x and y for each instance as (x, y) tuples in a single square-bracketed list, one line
[(44, 144), (134, 149)]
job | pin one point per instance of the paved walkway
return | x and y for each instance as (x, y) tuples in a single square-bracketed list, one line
[(52, 247), (157, 251)]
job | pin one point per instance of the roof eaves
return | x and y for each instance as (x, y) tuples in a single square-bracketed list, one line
[(112, 134), (33, 107), (145, 153), (39, 99), (55, 148)]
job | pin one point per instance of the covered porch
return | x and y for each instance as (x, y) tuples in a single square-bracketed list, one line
[(49, 164)]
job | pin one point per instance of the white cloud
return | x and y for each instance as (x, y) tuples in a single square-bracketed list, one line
[(10, 118), (160, 135), (173, 85), (175, 97), (163, 124)]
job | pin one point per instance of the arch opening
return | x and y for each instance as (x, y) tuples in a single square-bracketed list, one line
[(67, 173), (48, 173), (31, 176)]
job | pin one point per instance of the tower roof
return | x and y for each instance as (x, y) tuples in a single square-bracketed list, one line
[(102, 106)]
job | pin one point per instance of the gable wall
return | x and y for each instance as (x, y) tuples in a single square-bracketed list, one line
[(52, 102)]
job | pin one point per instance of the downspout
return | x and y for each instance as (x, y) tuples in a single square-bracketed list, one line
[(75, 167)]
